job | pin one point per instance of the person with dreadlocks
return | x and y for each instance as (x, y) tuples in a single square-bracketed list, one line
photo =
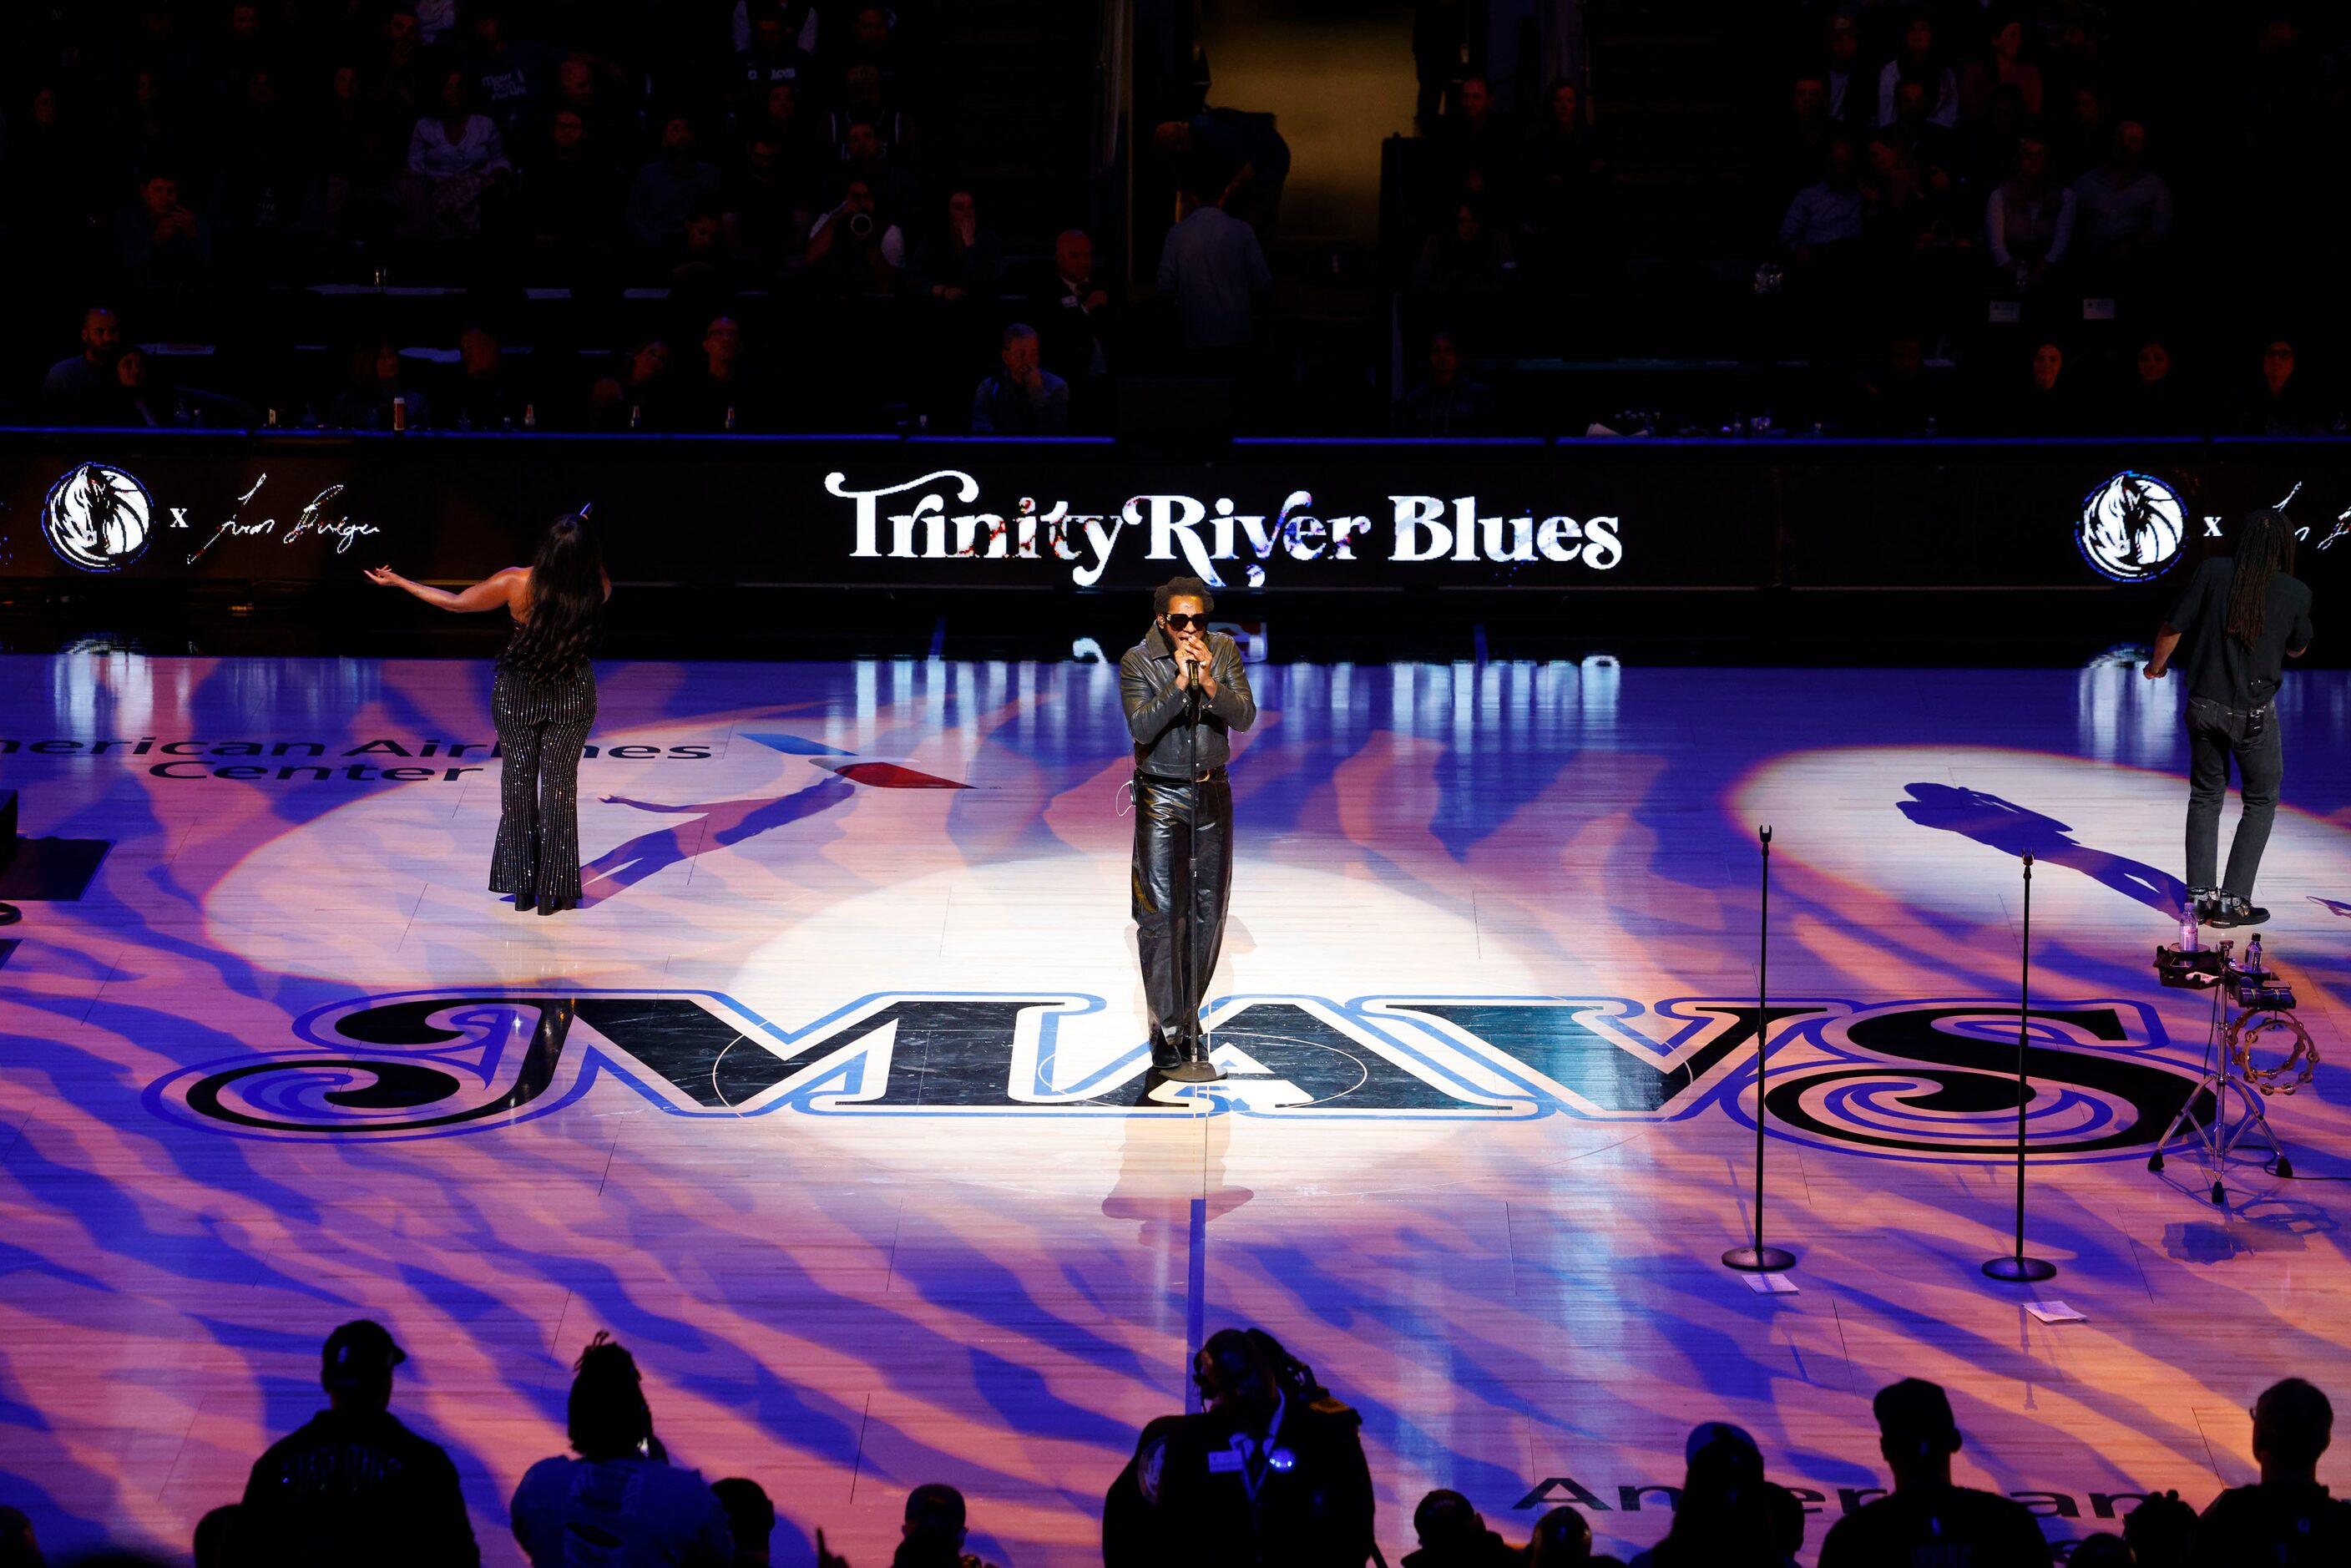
[(543, 703), (2239, 619)]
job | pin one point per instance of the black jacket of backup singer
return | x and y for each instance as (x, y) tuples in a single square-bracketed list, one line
[(2222, 669), (353, 1490), (1151, 685)]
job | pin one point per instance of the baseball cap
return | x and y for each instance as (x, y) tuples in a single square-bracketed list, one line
[(358, 1351), (1707, 1432), (1915, 1415), (936, 1507)]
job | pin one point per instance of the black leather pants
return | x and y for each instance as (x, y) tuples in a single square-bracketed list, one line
[(1171, 911)]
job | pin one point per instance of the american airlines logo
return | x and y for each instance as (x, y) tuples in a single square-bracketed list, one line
[(938, 518), (1920, 1080)]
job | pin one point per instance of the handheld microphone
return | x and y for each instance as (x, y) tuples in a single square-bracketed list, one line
[(1192, 674)]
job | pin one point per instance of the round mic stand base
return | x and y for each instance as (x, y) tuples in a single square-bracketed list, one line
[(2020, 1270), (10, 914), (1759, 1259), (1193, 1073)]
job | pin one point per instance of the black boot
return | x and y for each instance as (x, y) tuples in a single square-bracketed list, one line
[(1166, 1051)]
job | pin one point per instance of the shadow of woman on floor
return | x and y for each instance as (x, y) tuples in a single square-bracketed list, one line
[(2010, 829), (723, 822)]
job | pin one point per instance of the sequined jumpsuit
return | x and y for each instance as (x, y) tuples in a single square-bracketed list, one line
[(542, 722)]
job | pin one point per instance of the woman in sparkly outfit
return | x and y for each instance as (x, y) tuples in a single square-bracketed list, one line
[(543, 702)]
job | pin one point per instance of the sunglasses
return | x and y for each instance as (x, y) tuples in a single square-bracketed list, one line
[(1186, 622)]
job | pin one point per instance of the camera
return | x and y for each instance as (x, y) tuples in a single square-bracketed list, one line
[(860, 225)]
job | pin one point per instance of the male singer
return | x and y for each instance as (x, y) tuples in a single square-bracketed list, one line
[(1185, 692)]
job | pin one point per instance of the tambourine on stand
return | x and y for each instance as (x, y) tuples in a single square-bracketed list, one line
[(2251, 1008)]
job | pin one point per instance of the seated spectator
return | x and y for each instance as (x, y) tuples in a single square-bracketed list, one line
[(2122, 211), (853, 248), (1939, 154), (1447, 403), (396, 84), (1565, 187), (1453, 1534), (730, 391), (1075, 315), (354, 1484), (2284, 402), (2286, 1517), (151, 132), (461, 160), (1925, 1513), (141, 397), (1896, 397), (1235, 158), (705, 260), (783, 121), (2088, 139), (1800, 143), (1023, 398), (961, 259), (1726, 1516), (641, 396), (578, 89), (1478, 152), (1468, 256), (2048, 402), (768, 203), (506, 76), (268, 193), (1853, 94), (74, 389), (162, 246), (1990, 143), (219, 1541), (376, 380), (1919, 62), (568, 202), (615, 1502), (667, 187), (773, 56), (1823, 227), (1904, 220), (1212, 267), (2029, 222), (865, 156), (2003, 64), (1562, 1538), (751, 1518), (862, 103), (934, 1531), (871, 52), (485, 396)]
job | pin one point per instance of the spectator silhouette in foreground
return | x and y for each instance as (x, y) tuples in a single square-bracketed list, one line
[(219, 1541), (934, 1531), (2159, 1530), (620, 1501), (1563, 1538), (18, 1546), (77, 388), (1728, 1515), (1271, 1474), (2286, 1517), (1453, 1534), (1023, 398), (1447, 403), (1925, 1512), (750, 1515), (352, 1485)]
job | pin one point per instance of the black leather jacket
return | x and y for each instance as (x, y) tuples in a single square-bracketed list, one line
[(1150, 682)]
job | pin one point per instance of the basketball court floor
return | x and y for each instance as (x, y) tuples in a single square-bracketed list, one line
[(830, 1104)]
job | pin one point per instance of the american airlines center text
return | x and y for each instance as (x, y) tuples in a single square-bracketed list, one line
[(912, 520)]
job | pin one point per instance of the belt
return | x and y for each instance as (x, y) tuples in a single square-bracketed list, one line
[(1211, 776)]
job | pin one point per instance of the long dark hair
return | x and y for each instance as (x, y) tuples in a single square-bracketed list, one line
[(567, 600), (2265, 548), (607, 1415)]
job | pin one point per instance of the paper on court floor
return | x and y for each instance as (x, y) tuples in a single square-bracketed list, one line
[(2054, 1313), (1769, 1285)]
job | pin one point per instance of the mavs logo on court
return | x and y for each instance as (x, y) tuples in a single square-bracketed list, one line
[(2132, 528), (1919, 1080), (97, 517)]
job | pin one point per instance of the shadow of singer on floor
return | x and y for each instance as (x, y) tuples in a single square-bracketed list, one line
[(2009, 828), (722, 822)]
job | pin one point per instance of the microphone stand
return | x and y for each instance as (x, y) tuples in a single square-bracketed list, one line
[(1192, 1070), (2016, 1266), (1759, 1258)]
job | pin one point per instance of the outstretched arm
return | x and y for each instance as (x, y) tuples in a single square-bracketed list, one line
[(493, 592)]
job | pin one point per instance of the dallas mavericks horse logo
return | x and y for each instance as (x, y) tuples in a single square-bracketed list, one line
[(97, 517), (2132, 528)]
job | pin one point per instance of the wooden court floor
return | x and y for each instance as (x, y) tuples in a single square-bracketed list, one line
[(830, 1104)]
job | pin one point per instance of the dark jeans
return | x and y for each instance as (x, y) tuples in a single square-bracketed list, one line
[(2216, 733), (1172, 822)]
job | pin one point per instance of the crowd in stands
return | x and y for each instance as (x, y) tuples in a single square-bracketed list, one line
[(1268, 1472), (757, 222)]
